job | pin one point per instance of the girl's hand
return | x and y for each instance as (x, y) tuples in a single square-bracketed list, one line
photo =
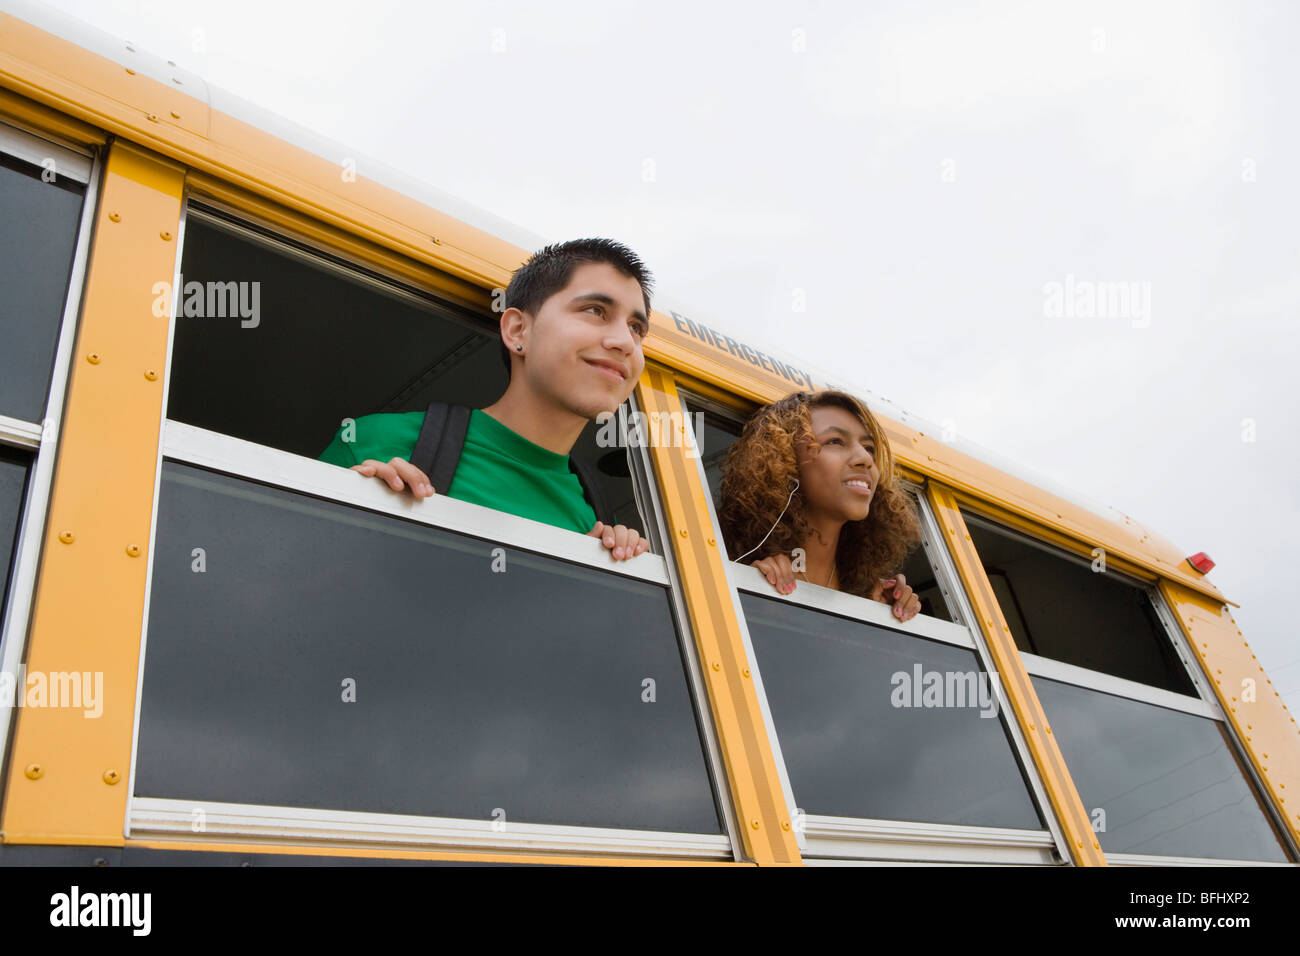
[(897, 592), (779, 572)]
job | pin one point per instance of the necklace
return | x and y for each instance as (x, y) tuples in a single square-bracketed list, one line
[(828, 577)]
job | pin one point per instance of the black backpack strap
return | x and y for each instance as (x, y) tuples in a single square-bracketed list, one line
[(442, 437), (591, 488)]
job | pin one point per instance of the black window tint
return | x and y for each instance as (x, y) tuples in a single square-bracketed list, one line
[(1166, 781), (13, 484), (523, 689), (1062, 609), (38, 236), (860, 742)]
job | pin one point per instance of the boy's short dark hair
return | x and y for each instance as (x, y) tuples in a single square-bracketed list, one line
[(549, 270)]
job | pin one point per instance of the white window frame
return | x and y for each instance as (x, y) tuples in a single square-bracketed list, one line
[(157, 817)]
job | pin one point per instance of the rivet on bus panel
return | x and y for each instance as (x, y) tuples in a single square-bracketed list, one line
[(133, 550), (745, 672), (712, 543), (114, 217), (151, 375), (785, 824), (754, 823), (152, 117), (34, 771), (717, 666), (682, 532), (66, 537), (167, 236), (93, 358), (111, 777), (175, 115), (131, 71)]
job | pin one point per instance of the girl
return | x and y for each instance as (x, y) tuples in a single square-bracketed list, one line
[(813, 471)]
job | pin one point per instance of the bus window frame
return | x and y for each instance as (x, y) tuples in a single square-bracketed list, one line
[(1206, 704), (85, 166), (249, 461), (824, 838)]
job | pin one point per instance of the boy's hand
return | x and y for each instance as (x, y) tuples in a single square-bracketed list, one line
[(399, 473), (779, 572), (896, 591), (621, 541)]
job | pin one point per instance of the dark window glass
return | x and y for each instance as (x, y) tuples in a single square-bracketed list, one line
[(38, 235), (310, 344), (1167, 781), (13, 485), (1062, 609), (860, 742), (475, 690)]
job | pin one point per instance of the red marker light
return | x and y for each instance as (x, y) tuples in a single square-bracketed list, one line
[(1201, 562)]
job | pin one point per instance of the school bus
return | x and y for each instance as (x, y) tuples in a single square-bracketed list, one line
[(219, 648)]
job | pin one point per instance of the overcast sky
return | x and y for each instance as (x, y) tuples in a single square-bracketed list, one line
[(933, 179)]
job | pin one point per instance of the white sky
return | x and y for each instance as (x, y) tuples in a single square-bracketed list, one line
[(919, 170)]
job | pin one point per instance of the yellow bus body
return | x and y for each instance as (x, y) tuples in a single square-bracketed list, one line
[(66, 778)]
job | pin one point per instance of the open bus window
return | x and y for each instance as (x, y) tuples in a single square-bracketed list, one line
[(277, 344), (719, 433), (1061, 609)]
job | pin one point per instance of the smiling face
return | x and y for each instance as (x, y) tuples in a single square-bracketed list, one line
[(839, 480), (582, 351)]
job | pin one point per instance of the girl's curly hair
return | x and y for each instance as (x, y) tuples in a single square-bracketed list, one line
[(761, 468)]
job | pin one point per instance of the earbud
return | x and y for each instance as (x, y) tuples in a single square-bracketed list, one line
[(796, 485)]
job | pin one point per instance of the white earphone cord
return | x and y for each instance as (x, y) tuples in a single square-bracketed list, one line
[(774, 523)]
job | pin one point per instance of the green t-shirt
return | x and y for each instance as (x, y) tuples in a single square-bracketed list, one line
[(498, 468)]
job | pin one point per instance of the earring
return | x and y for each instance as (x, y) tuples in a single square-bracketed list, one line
[(519, 348)]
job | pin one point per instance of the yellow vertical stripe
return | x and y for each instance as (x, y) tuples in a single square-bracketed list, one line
[(752, 775), (1084, 848), (68, 773)]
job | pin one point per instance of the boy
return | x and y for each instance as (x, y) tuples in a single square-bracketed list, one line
[(576, 316)]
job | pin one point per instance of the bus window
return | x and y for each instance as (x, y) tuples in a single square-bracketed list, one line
[(324, 656), (311, 341), (868, 750), (1059, 608), (306, 655), (37, 238), (1157, 780), (1151, 758), (878, 723), (43, 240)]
